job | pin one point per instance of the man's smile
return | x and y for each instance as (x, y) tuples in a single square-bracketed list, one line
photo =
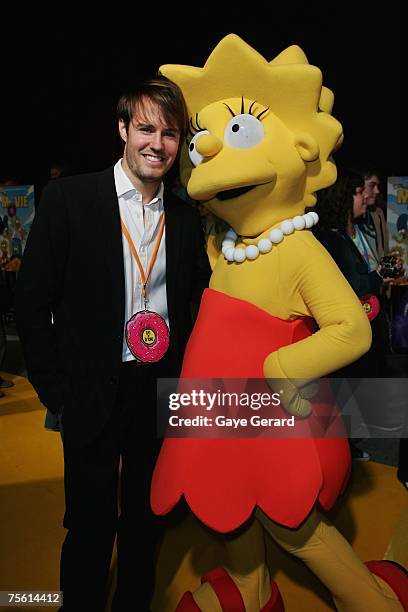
[(153, 158)]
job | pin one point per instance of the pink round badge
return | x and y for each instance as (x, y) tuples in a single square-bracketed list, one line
[(371, 306), (147, 336)]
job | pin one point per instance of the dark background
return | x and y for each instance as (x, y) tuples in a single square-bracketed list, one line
[(62, 76)]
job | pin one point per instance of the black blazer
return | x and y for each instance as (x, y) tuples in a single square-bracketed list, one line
[(73, 271), (350, 261)]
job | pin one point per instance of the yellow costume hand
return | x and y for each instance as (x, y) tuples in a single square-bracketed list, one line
[(295, 393)]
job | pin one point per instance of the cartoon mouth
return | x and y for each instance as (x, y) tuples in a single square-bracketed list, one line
[(234, 193)]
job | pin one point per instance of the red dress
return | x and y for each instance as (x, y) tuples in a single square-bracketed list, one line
[(223, 479)]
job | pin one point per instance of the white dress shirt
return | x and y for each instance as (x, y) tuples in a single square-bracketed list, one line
[(143, 229)]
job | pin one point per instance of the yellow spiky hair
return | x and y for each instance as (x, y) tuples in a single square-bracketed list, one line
[(288, 85)]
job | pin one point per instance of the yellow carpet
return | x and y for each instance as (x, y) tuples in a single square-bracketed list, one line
[(370, 515), (31, 494)]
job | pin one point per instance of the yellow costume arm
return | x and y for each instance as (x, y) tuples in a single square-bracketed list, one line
[(311, 284)]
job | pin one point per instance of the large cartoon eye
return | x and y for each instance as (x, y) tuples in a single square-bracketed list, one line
[(243, 131), (196, 157)]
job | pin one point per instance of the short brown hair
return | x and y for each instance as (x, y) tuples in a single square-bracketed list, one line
[(161, 91)]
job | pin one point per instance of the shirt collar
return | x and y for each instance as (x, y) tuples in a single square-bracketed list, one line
[(124, 185)]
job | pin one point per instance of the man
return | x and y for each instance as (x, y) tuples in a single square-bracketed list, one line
[(90, 284), (375, 225)]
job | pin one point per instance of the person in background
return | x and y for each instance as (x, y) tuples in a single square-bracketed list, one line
[(78, 319), (6, 296), (341, 209), (374, 224), (6, 301), (375, 228), (59, 168)]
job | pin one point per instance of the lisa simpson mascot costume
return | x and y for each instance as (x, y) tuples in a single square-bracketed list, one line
[(277, 308)]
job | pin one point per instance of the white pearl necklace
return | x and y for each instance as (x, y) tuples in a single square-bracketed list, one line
[(240, 254)]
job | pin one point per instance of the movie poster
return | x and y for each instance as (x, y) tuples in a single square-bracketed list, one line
[(397, 218), (397, 215), (17, 214)]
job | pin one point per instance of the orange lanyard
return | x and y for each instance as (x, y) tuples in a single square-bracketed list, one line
[(144, 277)]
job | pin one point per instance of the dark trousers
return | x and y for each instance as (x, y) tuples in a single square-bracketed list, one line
[(91, 495), (403, 460), (402, 472), (3, 340)]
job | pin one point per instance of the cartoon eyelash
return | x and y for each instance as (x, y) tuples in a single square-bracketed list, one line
[(194, 129), (230, 109), (249, 110), (262, 113)]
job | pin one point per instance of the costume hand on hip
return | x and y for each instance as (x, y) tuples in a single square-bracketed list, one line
[(295, 393)]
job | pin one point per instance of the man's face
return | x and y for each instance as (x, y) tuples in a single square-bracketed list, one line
[(371, 189), (150, 145)]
